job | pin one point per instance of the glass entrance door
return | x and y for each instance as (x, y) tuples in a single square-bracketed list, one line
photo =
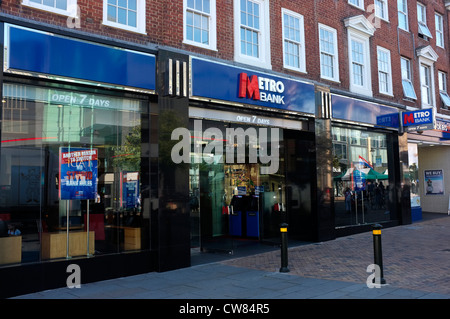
[(237, 193)]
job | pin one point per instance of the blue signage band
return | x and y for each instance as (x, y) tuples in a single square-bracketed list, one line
[(61, 56)]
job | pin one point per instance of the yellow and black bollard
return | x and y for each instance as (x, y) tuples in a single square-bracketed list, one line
[(378, 255), (284, 248)]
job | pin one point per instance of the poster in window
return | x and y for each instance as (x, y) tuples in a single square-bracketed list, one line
[(77, 173), (434, 182), (131, 189)]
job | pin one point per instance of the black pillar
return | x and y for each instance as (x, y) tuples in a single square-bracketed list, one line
[(172, 211), (324, 166)]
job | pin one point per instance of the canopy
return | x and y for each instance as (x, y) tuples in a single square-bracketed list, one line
[(367, 173)]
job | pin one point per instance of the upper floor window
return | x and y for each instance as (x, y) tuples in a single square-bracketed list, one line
[(426, 85), (439, 24), (359, 32), (64, 7), (422, 20), (125, 14), (443, 89), (293, 41), (357, 3), (200, 23), (402, 6), (384, 71), (252, 41), (408, 88), (329, 66), (381, 9)]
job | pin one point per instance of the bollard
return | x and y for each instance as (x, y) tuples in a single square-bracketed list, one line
[(378, 256), (284, 246)]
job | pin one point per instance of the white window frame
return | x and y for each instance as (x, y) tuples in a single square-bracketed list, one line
[(407, 80), (140, 18), (403, 5), (388, 72), (426, 84), (442, 78), (335, 57), (70, 11), (359, 3), (212, 26), (422, 23), (264, 36), (384, 5), (439, 20), (300, 43), (366, 88)]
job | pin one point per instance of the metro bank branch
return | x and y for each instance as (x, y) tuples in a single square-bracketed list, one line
[(124, 159)]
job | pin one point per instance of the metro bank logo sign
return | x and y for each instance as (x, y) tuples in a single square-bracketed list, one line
[(261, 89), (224, 82), (418, 120)]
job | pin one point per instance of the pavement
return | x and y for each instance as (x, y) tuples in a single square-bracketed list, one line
[(416, 260)]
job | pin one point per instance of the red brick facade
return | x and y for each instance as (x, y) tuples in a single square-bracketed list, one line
[(164, 27)]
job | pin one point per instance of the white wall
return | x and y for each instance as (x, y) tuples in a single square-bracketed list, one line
[(434, 157)]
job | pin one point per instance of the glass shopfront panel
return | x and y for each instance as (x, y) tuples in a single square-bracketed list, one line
[(360, 176), (70, 174), (233, 201)]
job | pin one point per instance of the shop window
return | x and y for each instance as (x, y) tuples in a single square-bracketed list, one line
[(361, 185), (402, 7), (252, 36), (200, 23), (293, 41), (64, 7), (329, 61), (128, 15), (71, 162)]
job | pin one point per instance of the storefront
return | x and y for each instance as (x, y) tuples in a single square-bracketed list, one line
[(370, 174), (75, 174), (328, 145), (125, 161), (428, 168), (252, 163)]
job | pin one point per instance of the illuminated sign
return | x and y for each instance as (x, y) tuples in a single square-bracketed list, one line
[(418, 120)]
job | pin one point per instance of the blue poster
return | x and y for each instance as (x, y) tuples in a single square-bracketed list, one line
[(77, 173), (131, 189)]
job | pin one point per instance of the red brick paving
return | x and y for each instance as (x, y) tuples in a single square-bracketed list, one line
[(415, 256)]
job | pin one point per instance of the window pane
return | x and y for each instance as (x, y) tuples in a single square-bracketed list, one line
[(111, 13), (132, 19), (122, 16), (132, 5)]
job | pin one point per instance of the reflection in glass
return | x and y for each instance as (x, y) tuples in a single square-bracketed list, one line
[(38, 123), (360, 176)]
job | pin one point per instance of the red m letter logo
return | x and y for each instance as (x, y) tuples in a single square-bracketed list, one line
[(248, 86), (408, 118)]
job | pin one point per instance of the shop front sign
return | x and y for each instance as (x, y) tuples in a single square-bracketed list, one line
[(223, 82), (418, 120)]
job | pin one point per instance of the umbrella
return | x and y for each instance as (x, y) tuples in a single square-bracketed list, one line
[(366, 173)]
